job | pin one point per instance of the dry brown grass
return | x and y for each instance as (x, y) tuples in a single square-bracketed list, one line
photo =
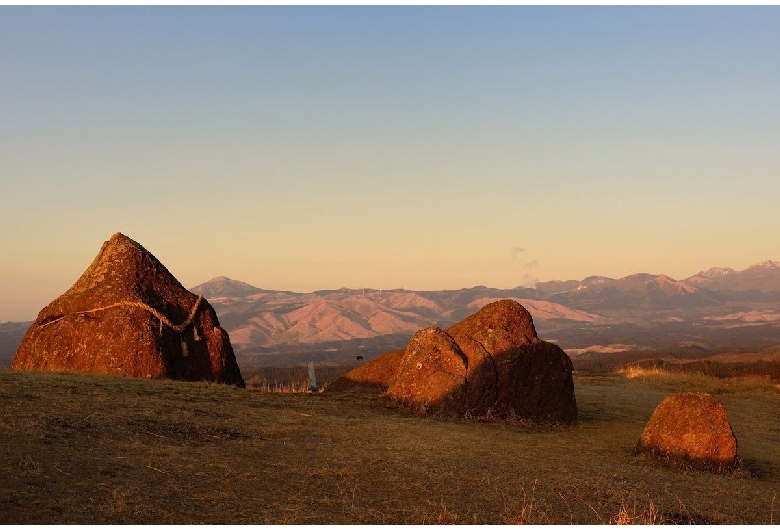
[(90, 449), (634, 371), (647, 513), (645, 516), (299, 387)]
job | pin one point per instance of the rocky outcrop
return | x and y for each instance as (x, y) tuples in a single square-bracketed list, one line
[(128, 315), (692, 427), (492, 362), (432, 373)]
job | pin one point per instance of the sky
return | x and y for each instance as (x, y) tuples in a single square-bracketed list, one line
[(307, 148)]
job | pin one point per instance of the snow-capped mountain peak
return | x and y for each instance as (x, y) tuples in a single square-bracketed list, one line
[(765, 265), (716, 272)]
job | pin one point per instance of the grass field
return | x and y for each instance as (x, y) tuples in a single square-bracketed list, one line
[(92, 449)]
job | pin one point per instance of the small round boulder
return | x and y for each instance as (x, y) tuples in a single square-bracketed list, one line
[(692, 427)]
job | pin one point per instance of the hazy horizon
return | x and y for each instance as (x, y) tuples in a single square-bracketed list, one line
[(311, 148), (357, 288)]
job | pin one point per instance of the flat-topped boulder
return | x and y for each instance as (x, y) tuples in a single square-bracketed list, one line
[(128, 315), (691, 427), (492, 362)]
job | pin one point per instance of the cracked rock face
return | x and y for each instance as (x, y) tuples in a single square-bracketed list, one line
[(692, 427), (105, 324), (491, 362)]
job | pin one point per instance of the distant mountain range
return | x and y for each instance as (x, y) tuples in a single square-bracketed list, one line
[(719, 307), (763, 277), (640, 311), (257, 317)]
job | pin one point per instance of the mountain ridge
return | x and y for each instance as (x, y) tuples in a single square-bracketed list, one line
[(220, 286), (268, 320), (596, 311)]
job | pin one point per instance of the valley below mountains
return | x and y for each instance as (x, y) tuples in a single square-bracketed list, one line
[(714, 311)]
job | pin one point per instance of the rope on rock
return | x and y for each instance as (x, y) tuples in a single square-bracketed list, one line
[(140, 305)]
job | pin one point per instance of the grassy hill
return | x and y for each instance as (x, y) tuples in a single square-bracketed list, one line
[(90, 449)]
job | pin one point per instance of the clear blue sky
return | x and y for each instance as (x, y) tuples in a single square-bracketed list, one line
[(308, 148)]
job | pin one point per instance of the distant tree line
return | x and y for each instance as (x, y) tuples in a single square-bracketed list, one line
[(608, 362), (298, 375), (722, 370), (693, 359)]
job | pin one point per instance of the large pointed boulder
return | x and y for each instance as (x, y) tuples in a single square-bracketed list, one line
[(128, 315), (490, 363)]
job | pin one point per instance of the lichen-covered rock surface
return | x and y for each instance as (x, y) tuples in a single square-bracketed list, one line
[(692, 427), (492, 362), (128, 315)]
